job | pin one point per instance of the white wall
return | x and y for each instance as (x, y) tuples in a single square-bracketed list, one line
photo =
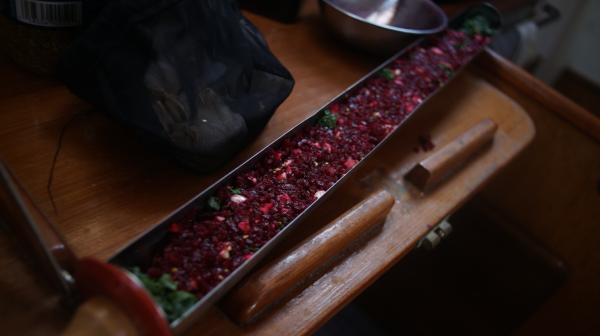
[(574, 41), (583, 51)]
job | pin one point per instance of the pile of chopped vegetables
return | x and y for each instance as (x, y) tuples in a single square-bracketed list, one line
[(210, 243)]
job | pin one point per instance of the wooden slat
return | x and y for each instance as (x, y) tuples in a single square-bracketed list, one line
[(552, 192), (547, 96)]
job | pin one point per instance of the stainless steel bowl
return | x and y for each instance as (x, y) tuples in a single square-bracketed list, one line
[(382, 26)]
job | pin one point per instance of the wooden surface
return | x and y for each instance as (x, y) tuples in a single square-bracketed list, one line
[(542, 93), (552, 191), (100, 316), (263, 287), (47, 249), (108, 189), (458, 107), (579, 89)]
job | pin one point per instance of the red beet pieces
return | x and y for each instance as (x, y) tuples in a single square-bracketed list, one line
[(209, 244)]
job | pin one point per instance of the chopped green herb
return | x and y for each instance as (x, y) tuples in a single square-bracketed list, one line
[(214, 203), (447, 69), (254, 249), (235, 191), (281, 226), (285, 220), (328, 120), (387, 74), (477, 25), (410, 58), (458, 46), (164, 291)]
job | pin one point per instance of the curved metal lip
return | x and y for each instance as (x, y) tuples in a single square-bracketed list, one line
[(437, 29)]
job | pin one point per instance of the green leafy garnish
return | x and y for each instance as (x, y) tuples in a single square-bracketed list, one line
[(254, 249), (477, 25), (458, 46), (328, 120), (214, 203), (164, 291), (387, 74), (281, 226), (447, 69), (235, 191), (284, 219)]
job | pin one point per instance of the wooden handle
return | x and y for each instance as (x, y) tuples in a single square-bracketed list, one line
[(263, 287), (430, 170), (100, 316)]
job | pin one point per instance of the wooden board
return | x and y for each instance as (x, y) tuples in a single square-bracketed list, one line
[(552, 191), (315, 301)]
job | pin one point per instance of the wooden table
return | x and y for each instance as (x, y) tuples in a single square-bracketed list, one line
[(108, 190)]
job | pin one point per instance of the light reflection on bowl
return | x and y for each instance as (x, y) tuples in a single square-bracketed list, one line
[(382, 26)]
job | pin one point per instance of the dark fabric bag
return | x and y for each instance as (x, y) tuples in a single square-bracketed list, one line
[(193, 78)]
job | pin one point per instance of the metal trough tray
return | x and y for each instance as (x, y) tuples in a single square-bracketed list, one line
[(141, 251)]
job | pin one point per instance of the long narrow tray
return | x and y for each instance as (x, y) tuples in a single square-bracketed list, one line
[(141, 251)]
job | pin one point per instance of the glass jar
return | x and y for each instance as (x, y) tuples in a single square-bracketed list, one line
[(37, 33)]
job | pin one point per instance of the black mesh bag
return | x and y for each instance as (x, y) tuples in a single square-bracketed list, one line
[(193, 78)]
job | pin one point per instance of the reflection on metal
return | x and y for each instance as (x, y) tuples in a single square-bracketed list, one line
[(384, 15), (382, 26), (443, 229), (435, 236), (430, 241), (67, 277)]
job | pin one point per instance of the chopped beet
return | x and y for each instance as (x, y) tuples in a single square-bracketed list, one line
[(425, 143), (209, 244)]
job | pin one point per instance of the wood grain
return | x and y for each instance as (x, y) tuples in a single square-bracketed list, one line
[(538, 90), (312, 303), (99, 316), (33, 230), (551, 191), (266, 285), (427, 172), (108, 189), (28, 305)]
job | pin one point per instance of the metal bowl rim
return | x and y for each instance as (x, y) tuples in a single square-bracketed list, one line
[(437, 29)]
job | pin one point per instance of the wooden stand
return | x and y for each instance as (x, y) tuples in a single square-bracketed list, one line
[(108, 189)]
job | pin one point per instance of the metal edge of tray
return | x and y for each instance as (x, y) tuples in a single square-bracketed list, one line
[(143, 248)]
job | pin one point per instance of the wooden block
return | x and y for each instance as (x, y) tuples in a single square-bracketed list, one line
[(429, 171)]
